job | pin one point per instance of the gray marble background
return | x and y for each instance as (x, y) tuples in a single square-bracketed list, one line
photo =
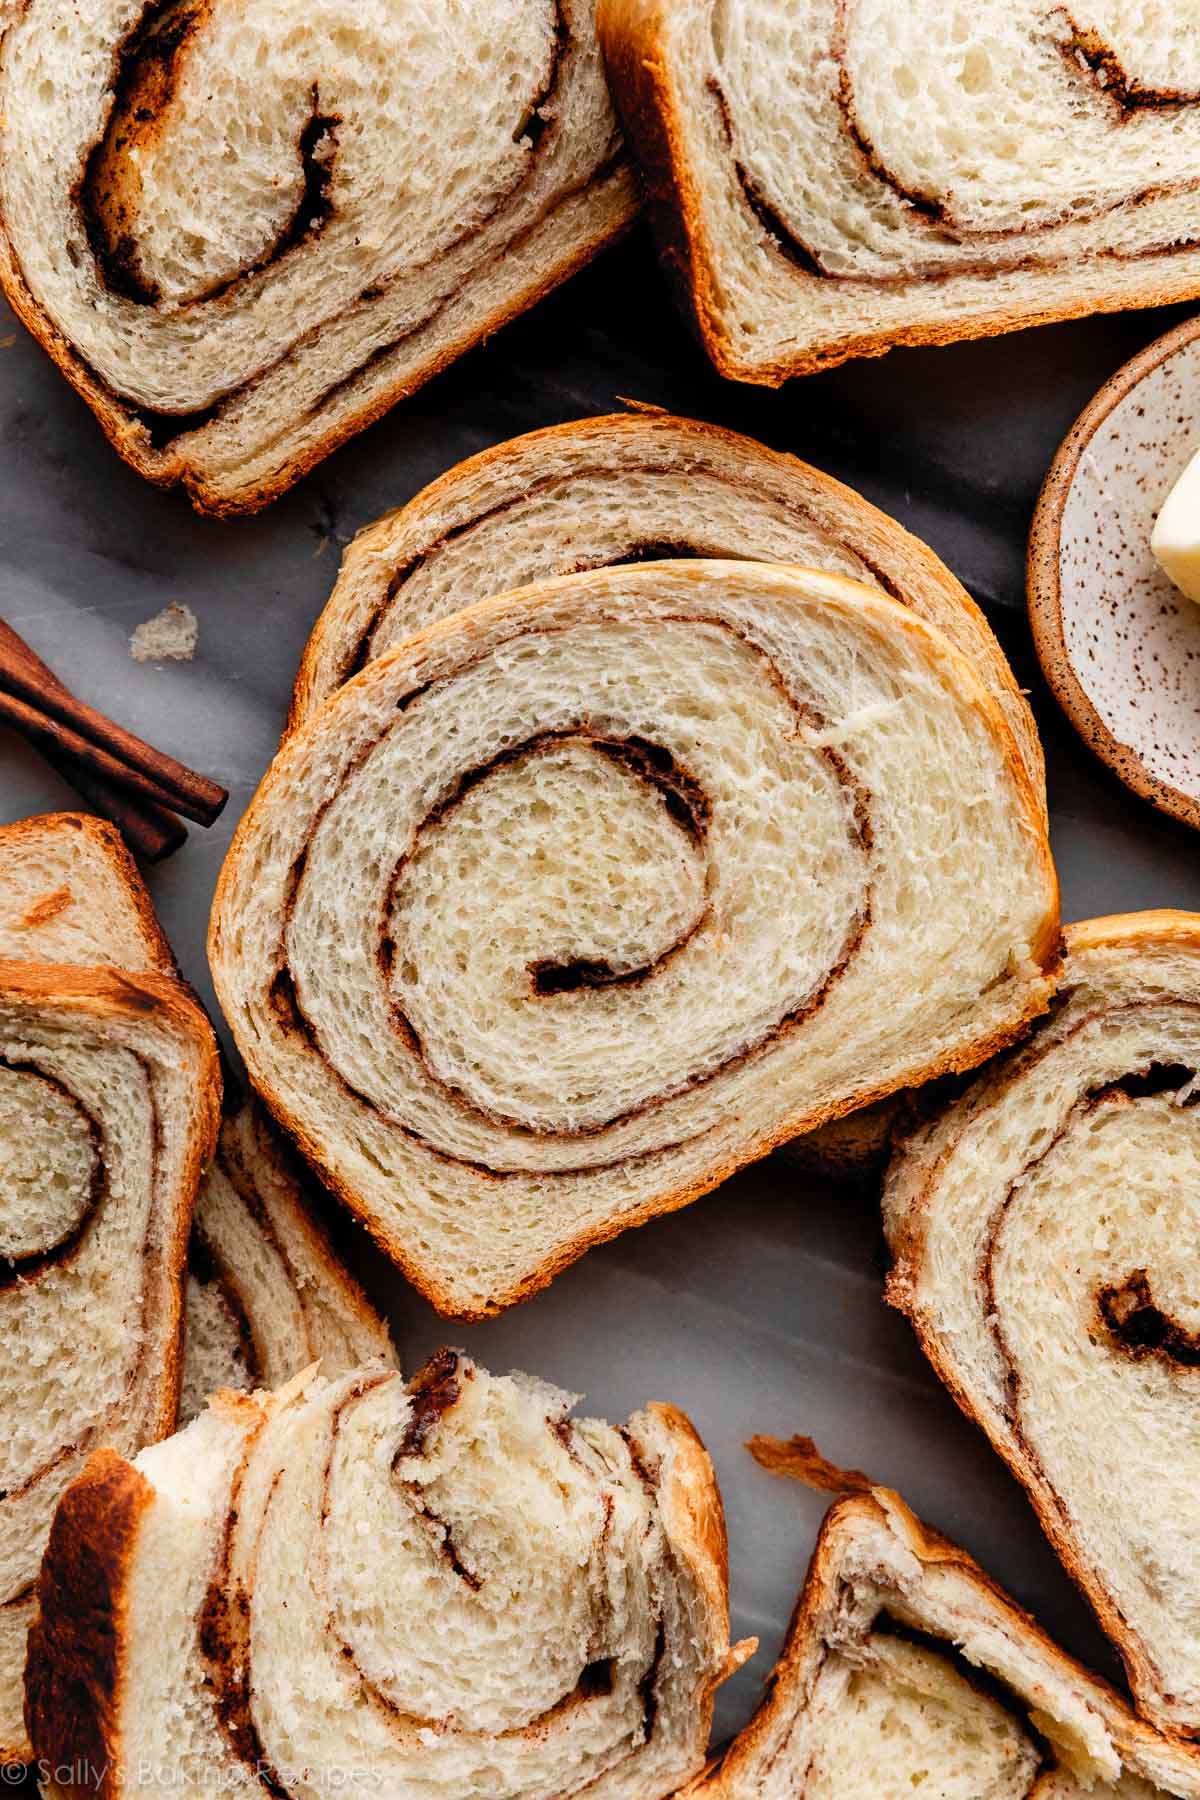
[(759, 1308)]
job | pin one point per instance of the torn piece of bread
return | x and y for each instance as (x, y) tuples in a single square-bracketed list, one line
[(834, 177), (358, 1586), (906, 1670), (244, 237), (560, 912), (170, 636), (628, 488), (1044, 1229), (109, 1097), (266, 1295)]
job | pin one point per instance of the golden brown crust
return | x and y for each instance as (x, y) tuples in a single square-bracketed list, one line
[(129, 437), (494, 615), (1165, 928), (1138, 1744), (108, 841), (78, 1646), (880, 531), (800, 1458), (632, 33), (101, 994)]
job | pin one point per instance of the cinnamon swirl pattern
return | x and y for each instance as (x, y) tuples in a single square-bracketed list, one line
[(631, 488), (834, 176), (907, 1669), (243, 233), (450, 1587), (266, 1296), (563, 910), (1044, 1233), (109, 1090)]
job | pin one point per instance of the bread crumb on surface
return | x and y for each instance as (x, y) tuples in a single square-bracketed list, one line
[(171, 635)]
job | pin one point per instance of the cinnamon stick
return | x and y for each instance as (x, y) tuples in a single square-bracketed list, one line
[(51, 716)]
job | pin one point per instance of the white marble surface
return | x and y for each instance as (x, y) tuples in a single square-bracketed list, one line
[(759, 1308)]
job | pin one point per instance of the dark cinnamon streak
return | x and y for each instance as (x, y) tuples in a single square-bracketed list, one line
[(146, 67), (285, 1001), (1086, 53), (1086, 48), (1138, 1327), (643, 550), (34, 1263), (223, 1639), (432, 1392)]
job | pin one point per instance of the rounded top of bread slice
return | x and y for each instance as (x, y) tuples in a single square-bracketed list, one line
[(629, 487)]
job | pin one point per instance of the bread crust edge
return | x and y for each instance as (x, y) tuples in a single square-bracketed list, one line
[(901, 1290), (632, 35), (636, 426), (107, 840), (77, 1659), (128, 437)]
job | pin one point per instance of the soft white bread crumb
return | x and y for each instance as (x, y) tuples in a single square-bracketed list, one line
[(565, 908), (171, 635), (828, 180), (109, 1094), (244, 235), (1043, 1228), (447, 1589), (265, 1294), (610, 490), (906, 1670), (70, 892)]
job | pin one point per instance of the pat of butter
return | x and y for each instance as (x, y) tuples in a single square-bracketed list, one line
[(1176, 537)]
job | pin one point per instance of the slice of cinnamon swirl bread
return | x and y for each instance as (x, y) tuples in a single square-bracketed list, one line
[(243, 238), (907, 1671), (70, 892), (1044, 1230), (588, 894), (831, 178), (629, 488), (357, 1586), (266, 1296), (109, 1096)]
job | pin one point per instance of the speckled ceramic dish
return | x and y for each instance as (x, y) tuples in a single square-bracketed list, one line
[(1118, 643)]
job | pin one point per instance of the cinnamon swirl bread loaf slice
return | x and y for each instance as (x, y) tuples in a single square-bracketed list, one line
[(450, 1587), (906, 1670), (588, 894), (627, 489), (1044, 1230), (70, 892), (109, 1095), (833, 178), (266, 1295), (243, 237)]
